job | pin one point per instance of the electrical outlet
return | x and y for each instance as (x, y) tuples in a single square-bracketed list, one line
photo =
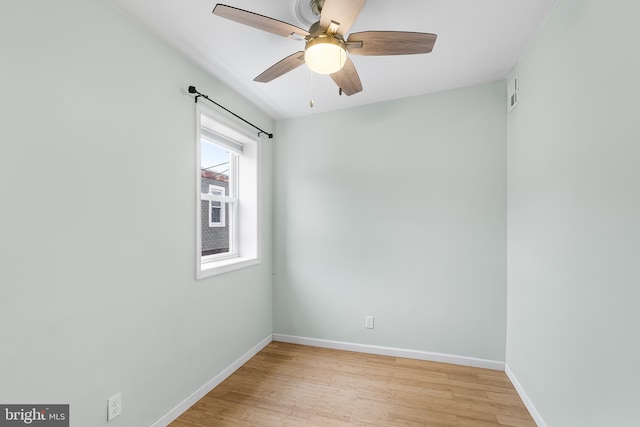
[(368, 322), (114, 406)]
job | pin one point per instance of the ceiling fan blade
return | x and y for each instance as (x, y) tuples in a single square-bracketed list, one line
[(260, 22), (289, 63), (347, 79), (342, 12), (390, 43)]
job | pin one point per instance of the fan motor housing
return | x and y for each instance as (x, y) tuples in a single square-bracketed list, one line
[(326, 39)]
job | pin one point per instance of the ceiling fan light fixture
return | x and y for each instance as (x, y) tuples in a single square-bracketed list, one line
[(325, 54)]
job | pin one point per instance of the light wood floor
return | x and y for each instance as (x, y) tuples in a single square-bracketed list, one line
[(293, 385)]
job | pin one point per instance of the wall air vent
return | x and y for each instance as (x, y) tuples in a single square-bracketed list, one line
[(513, 91)]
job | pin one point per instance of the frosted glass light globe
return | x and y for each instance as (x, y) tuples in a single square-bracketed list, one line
[(325, 54)]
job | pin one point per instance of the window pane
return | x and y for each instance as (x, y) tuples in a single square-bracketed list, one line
[(215, 176), (215, 214)]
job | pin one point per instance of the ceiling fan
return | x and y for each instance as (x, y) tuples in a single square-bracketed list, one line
[(326, 47)]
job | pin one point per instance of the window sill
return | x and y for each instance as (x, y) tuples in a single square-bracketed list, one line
[(214, 268)]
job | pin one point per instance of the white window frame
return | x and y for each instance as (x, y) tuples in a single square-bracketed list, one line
[(217, 190), (243, 200)]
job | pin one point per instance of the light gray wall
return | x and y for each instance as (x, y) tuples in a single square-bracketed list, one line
[(97, 246), (574, 217), (396, 210)]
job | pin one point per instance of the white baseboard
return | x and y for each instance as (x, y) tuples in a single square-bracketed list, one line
[(359, 348), (525, 399), (390, 351), (210, 385)]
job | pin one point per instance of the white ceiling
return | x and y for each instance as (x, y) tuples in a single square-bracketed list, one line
[(478, 42)]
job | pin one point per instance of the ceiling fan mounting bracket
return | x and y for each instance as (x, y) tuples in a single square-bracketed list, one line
[(306, 12), (316, 6)]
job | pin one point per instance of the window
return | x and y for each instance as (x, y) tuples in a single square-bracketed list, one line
[(227, 185), (216, 210)]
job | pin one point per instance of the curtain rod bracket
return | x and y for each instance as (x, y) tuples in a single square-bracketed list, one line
[(270, 135), (192, 89)]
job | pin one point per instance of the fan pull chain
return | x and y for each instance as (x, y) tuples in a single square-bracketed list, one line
[(311, 89)]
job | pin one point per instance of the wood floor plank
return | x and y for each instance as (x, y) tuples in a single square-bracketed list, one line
[(294, 385)]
